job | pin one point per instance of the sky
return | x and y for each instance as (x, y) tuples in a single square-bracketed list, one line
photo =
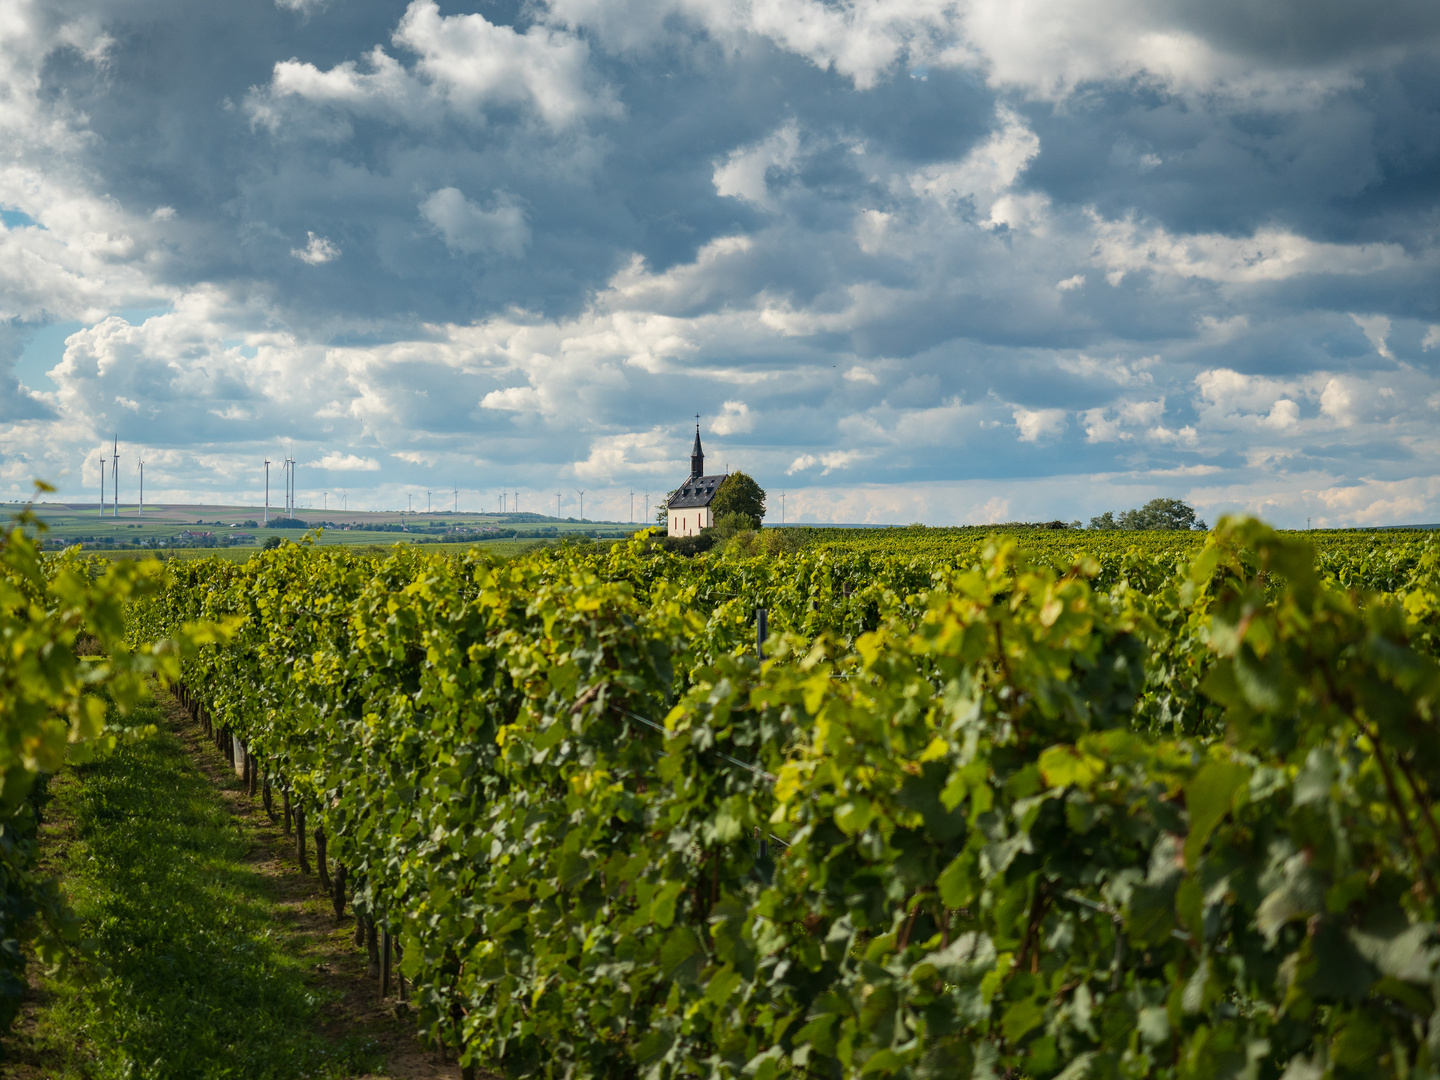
[(946, 261)]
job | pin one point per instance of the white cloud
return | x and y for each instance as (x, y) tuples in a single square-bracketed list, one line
[(472, 61), (338, 462), (746, 172), (84, 256), (996, 509), (1411, 501), (1121, 372), (514, 399), (1119, 423), (1070, 283), (859, 374), (871, 229), (1431, 339), (464, 62), (1185, 436), (1143, 413), (861, 41), (1283, 414), (835, 459), (385, 90), (1376, 329), (470, 229), (1036, 424), (1044, 48), (735, 419), (318, 250), (986, 175), (1101, 427), (1230, 391), (1337, 402), (1123, 247), (649, 454)]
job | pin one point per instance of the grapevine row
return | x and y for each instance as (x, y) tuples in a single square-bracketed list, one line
[(1136, 815)]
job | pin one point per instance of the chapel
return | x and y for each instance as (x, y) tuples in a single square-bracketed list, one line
[(689, 507)]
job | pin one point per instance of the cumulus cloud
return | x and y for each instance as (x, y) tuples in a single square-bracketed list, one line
[(1047, 48), (1377, 329), (835, 459), (336, 461), (463, 62), (1036, 424), (734, 419), (984, 177), (747, 171), (1118, 370), (317, 250), (1124, 247), (1120, 422), (470, 229)]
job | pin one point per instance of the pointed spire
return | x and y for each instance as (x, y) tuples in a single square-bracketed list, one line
[(697, 456)]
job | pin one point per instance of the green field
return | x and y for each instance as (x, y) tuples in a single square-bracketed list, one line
[(235, 531)]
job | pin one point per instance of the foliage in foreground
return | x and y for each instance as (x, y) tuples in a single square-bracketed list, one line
[(52, 611), (195, 984), (1116, 817)]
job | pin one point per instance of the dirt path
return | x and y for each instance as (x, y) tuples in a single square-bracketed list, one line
[(354, 1005)]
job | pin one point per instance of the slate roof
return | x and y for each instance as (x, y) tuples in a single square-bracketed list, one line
[(696, 491)]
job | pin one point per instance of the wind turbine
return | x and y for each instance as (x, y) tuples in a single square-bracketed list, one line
[(457, 500), (266, 519), (325, 502), (632, 508), (115, 472), (102, 485), (141, 512), (582, 503), (557, 505), (427, 501), (516, 504)]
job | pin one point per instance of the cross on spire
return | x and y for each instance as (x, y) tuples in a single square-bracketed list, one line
[(697, 455)]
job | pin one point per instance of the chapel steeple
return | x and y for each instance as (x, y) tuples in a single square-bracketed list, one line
[(688, 506), (697, 456)]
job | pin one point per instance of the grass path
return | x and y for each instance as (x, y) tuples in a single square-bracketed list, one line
[(223, 960)]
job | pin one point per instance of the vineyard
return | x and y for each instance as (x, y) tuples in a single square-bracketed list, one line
[(918, 803)]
